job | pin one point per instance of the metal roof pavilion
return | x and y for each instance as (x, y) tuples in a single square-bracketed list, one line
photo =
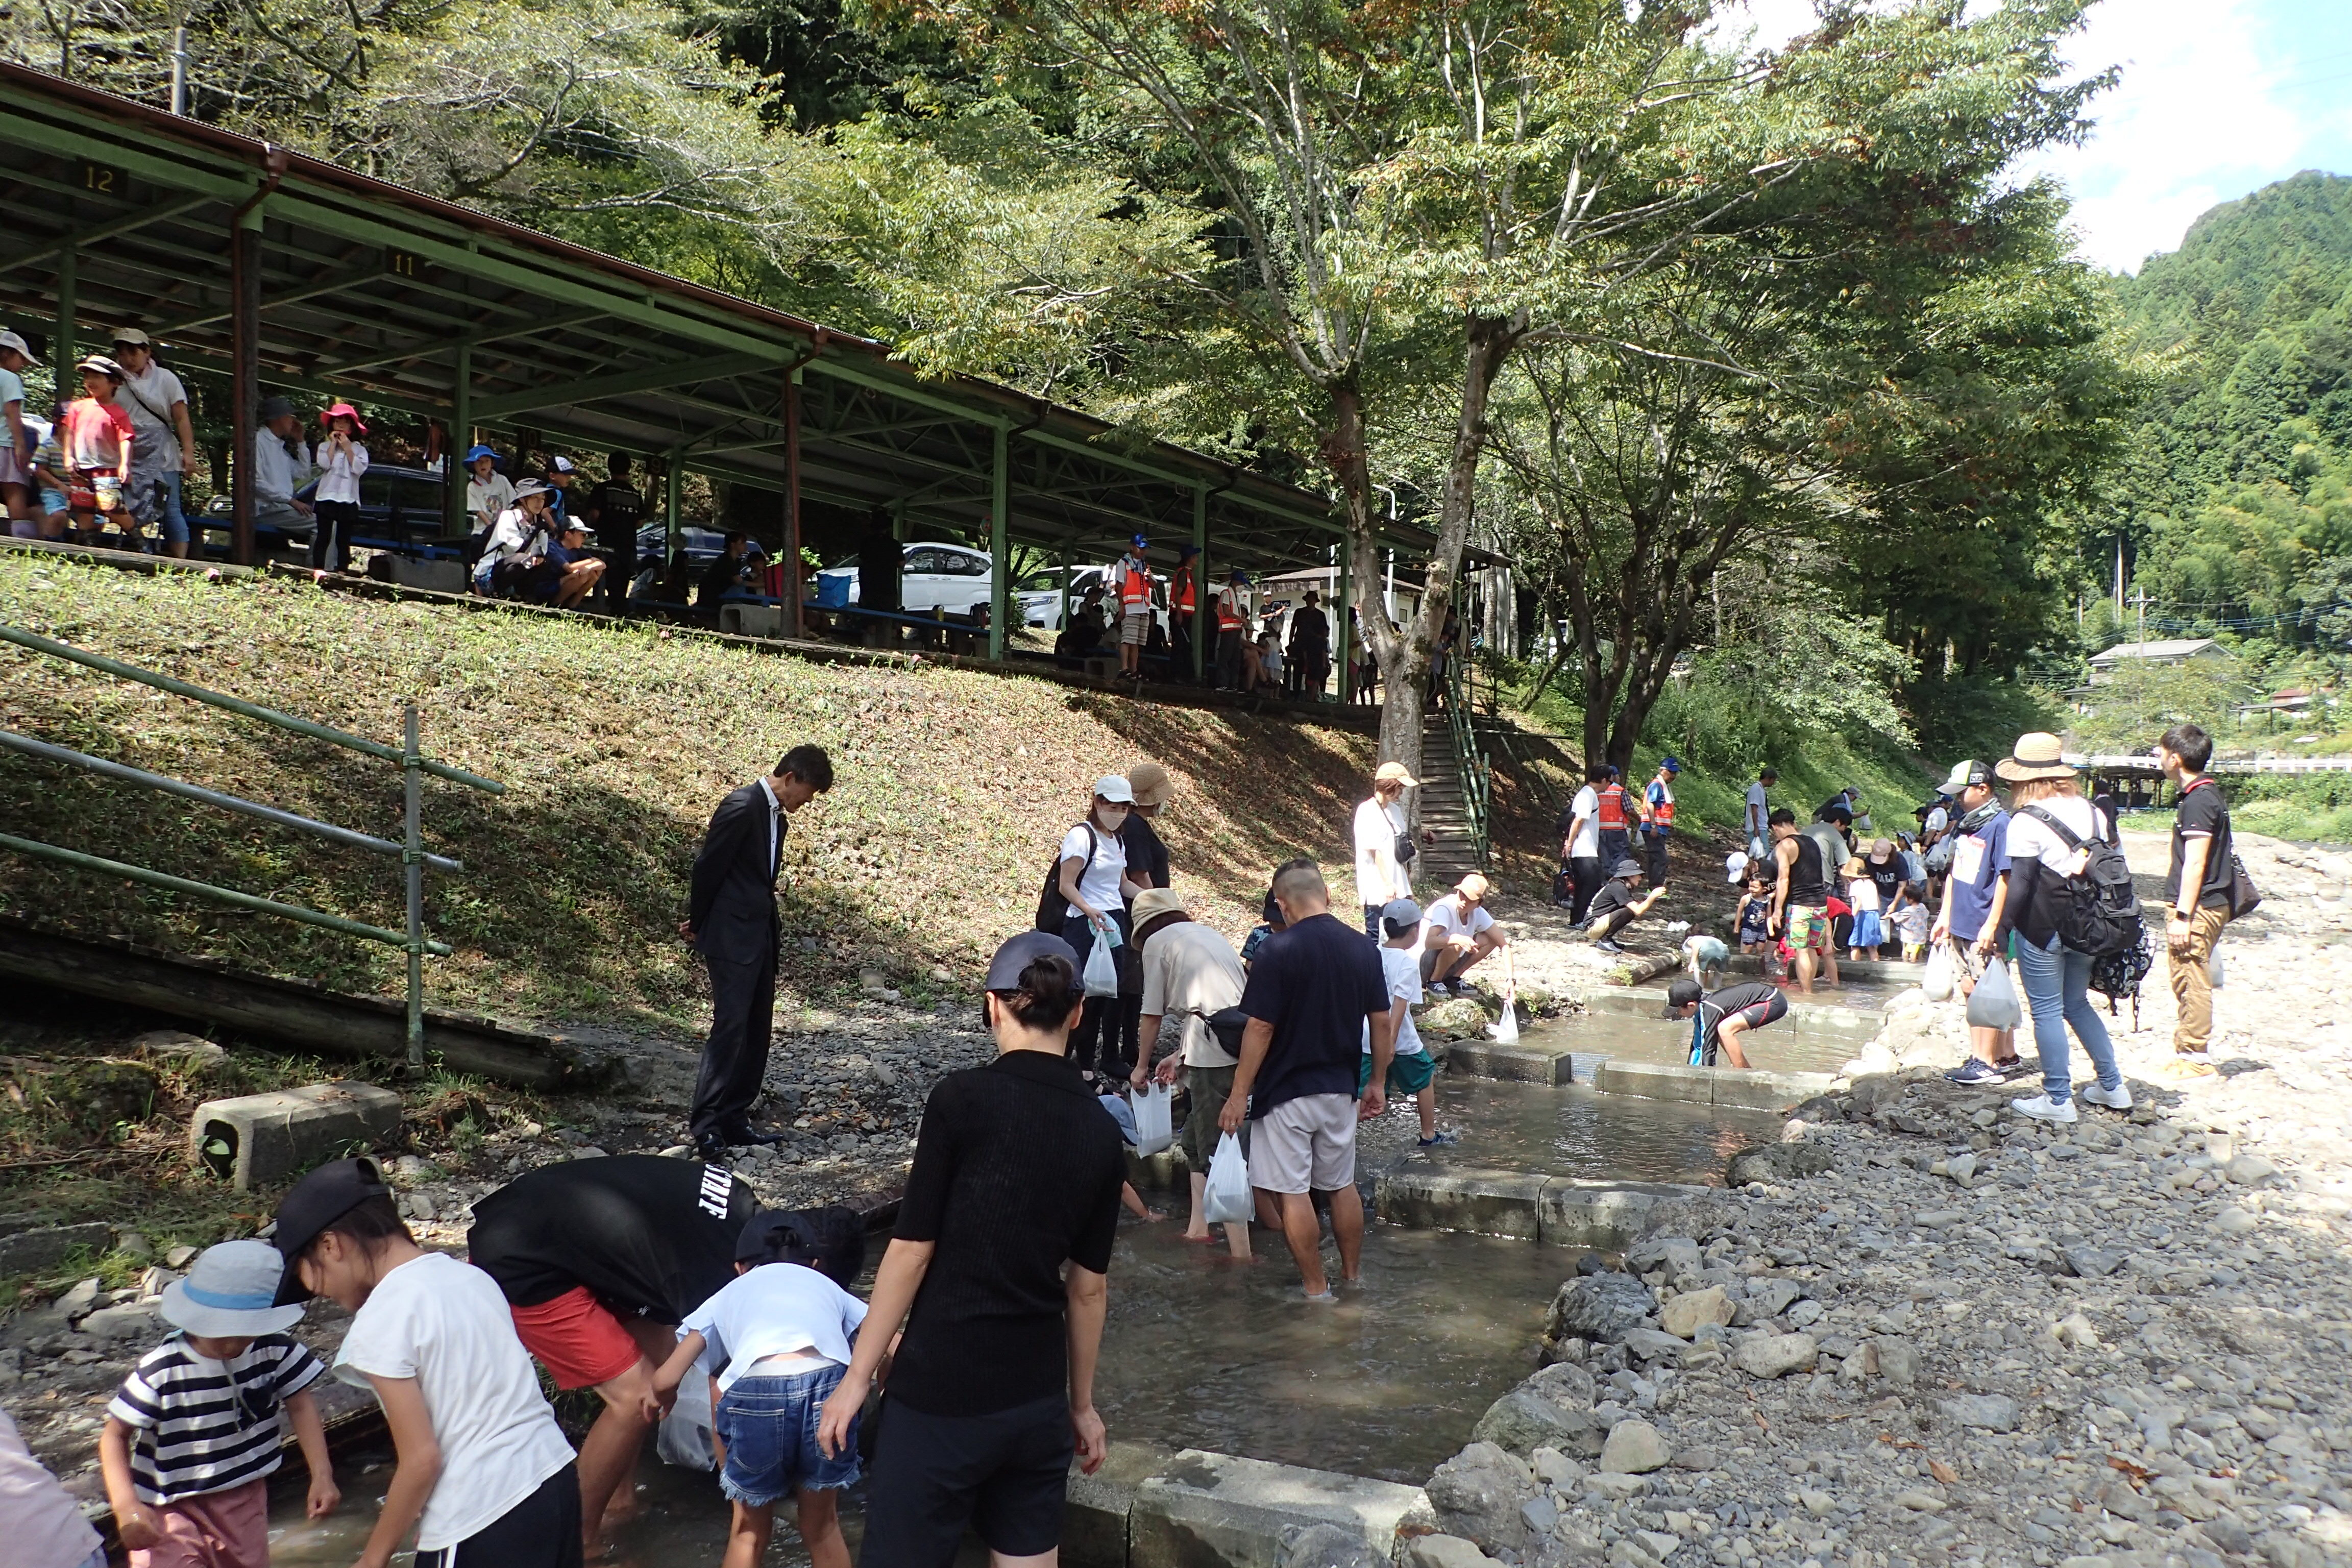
[(292, 274)]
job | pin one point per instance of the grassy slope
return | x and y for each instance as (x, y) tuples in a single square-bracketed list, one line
[(615, 744)]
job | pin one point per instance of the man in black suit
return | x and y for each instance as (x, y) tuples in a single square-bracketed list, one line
[(732, 920)]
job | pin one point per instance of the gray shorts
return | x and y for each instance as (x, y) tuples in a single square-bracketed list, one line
[(1303, 1143), (1135, 628)]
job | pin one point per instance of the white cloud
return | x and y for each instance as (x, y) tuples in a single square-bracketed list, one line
[(2212, 103)]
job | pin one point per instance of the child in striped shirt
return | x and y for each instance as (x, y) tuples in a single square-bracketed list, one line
[(193, 1435)]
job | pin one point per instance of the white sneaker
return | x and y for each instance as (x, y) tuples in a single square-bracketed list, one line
[(2116, 1099), (2042, 1107)]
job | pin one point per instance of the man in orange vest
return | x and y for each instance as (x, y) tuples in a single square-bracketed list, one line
[(1231, 622), (1183, 604), (1616, 833), (1132, 578), (1658, 817)]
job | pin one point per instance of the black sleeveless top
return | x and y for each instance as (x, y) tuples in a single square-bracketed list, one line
[(1807, 885)]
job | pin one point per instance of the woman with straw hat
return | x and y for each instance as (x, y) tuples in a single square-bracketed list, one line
[(2049, 823)]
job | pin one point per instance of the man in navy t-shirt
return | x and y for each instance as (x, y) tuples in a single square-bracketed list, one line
[(1974, 892), (1311, 991)]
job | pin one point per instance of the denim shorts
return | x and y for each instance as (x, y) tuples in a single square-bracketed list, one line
[(769, 1425)]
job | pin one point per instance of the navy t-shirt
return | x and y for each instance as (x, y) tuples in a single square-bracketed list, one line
[(1979, 859), (1316, 982)]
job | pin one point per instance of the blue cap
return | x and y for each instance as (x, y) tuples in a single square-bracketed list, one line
[(1240, 577), (1187, 552), (1141, 543), (478, 453), (1021, 951), (1672, 765)]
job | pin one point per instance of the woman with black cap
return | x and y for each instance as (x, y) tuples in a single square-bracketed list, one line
[(997, 1270)]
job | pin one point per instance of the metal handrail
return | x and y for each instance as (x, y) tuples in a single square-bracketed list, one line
[(414, 858), (1469, 762)]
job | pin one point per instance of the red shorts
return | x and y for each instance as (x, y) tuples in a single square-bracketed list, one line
[(577, 1339)]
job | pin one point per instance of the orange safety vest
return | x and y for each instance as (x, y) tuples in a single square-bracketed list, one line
[(1229, 616), (1662, 811), (1181, 590), (1613, 808), (1134, 586)]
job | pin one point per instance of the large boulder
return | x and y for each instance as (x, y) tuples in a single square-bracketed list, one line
[(1683, 1316), (1776, 1355), (1775, 1163), (1460, 1018), (1477, 1495), (1599, 1307), (1553, 1409)]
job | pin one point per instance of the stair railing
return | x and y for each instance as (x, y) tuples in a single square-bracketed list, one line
[(1469, 762)]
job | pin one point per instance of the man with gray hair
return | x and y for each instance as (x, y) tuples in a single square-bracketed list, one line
[(280, 467), (1313, 989)]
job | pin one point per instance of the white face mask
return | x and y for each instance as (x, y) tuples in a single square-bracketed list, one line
[(1112, 817)]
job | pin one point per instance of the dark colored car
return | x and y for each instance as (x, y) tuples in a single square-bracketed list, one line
[(398, 506)]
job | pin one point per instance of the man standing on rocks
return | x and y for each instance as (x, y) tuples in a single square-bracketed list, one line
[(2197, 890), (1658, 818), (1579, 850), (1384, 849), (1975, 891), (1311, 991), (732, 920), (1756, 826)]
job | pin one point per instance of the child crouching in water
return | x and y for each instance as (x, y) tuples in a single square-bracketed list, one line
[(774, 1342), (193, 1436)]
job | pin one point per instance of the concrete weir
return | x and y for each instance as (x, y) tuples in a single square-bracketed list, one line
[(1739, 1089), (1149, 1508), (1560, 1211)]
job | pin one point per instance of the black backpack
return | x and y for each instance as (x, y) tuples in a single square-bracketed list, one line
[(1051, 904), (2098, 908)]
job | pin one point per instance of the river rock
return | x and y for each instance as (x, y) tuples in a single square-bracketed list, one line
[(1983, 1412), (1774, 1163), (2250, 1170), (1673, 1255), (1476, 1495), (2092, 1262), (1552, 1409), (1599, 1307), (1770, 1298), (1323, 1545), (2233, 1221), (131, 1321), (1898, 1362), (1776, 1355), (1682, 1315), (1633, 1448), (1445, 1551), (1650, 1344), (1461, 1018), (78, 1301)]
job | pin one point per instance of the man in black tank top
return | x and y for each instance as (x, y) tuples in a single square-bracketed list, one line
[(1801, 895)]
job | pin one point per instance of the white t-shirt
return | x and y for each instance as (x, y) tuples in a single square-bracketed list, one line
[(148, 400), (1938, 820), (486, 501), (445, 1324), (1098, 883), (1400, 967), (1446, 921), (2030, 839), (339, 475), (1584, 820), (1760, 806), (776, 1308), (12, 387), (1862, 893), (1379, 877)]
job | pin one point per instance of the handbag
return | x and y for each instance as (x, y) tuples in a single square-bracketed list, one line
[(1406, 849)]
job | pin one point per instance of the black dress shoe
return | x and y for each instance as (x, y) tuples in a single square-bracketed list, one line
[(710, 1149), (748, 1136)]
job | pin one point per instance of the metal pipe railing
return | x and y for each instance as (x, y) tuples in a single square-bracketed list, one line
[(186, 790), (1471, 763), (169, 883), (40, 643)]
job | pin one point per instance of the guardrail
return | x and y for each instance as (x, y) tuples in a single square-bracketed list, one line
[(410, 850), (1478, 780)]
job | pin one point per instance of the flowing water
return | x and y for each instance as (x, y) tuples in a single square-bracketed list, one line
[(1201, 1351)]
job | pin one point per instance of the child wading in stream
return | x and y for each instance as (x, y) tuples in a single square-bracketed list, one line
[(774, 1342), (191, 1436)]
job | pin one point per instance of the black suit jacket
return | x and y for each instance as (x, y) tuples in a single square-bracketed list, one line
[(732, 906)]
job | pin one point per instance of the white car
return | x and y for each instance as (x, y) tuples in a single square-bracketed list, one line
[(1039, 598), (933, 575)]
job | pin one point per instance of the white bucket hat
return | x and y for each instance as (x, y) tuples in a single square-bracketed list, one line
[(230, 1293)]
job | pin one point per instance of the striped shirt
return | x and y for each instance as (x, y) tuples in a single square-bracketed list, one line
[(200, 1426)]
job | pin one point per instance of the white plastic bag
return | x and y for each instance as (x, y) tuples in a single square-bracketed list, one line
[(1935, 983), (1154, 1106), (1993, 1003), (1102, 969), (1506, 1030), (684, 1438), (2213, 970), (1226, 1198)]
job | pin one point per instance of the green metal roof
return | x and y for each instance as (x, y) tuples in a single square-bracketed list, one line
[(376, 292)]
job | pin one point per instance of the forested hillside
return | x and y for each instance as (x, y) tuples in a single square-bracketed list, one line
[(2237, 492)]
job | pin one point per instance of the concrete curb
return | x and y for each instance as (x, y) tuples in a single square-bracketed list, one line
[(1559, 1211), (1732, 1088)]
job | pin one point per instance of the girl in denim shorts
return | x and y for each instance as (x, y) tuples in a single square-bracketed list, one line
[(774, 1342)]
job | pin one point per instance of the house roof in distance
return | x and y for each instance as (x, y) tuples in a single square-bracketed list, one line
[(2170, 648)]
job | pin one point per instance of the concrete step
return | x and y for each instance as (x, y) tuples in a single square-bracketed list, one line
[(1559, 1210)]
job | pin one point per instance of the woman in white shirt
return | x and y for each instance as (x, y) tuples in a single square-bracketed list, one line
[(488, 491), (1096, 889), (517, 540), (341, 460), (1381, 827), (2055, 978)]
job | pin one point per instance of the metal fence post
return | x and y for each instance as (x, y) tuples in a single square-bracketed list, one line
[(413, 863)]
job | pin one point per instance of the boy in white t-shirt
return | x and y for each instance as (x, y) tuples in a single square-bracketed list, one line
[(1410, 1072), (482, 1472), (774, 1342)]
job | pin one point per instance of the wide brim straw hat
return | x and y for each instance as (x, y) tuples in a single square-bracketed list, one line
[(2035, 756), (1151, 784)]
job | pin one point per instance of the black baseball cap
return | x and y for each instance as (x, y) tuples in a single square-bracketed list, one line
[(772, 1236), (1004, 970), (318, 1201)]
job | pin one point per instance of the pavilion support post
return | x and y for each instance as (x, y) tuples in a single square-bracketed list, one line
[(245, 379), (792, 550), (1000, 545), (62, 349), (1204, 618), (453, 521), (1066, 583), (673, 498)]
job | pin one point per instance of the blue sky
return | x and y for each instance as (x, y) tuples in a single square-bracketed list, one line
[(2218, 98)]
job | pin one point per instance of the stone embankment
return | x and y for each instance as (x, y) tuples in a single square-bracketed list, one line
[(1925, 1328)]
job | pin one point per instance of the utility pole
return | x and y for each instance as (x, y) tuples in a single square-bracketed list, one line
[(2140, 599), (180, 69)]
